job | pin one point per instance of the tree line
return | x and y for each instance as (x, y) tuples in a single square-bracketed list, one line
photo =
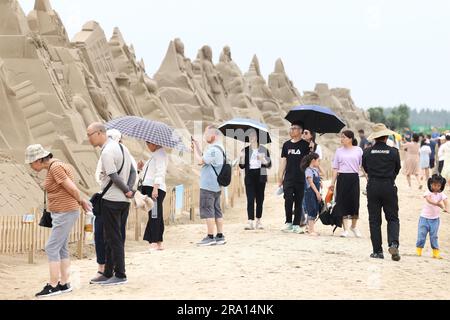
[(401, 117)]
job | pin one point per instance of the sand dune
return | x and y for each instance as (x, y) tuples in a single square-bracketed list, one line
[(259, 265)]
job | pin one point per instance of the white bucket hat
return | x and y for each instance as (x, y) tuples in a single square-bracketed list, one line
[(35, 152)]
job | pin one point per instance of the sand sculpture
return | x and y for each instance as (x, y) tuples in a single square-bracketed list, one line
[(215, 87), (182, 88), (340, 101), (235, 85), (283, 89), (261, 94), (53, 87)]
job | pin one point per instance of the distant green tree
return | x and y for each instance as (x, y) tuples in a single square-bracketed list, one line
[(402, 116), (377, 115), (430, 118), (398, 118)]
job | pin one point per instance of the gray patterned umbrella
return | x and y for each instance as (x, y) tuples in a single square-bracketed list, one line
[(148, 130)]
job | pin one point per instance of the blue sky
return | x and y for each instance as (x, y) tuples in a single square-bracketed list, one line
[(386, 52)]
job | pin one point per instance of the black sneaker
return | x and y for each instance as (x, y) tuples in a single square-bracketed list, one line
[(49, 291), (395, 253), (65, 288), (378, 255)]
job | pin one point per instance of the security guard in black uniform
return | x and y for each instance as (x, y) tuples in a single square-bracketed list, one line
[(382, 164)]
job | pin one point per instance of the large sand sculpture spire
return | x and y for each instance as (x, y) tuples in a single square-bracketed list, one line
[(234, 83), (42, 5), (45, 21), (261, 94), (183, 85), (283, 88), (12, 19)]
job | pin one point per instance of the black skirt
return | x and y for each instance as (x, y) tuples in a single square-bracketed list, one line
[(348, 195), (154, 232)]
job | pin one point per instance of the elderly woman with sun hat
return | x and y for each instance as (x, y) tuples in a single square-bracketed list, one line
[(64, 201)]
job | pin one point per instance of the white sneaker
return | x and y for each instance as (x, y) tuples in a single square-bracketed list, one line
[(259, 225), (251, 226), (298, 230), (356, 232), (287, 227), (344, 234)]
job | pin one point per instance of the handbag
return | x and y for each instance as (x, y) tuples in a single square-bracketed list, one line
[(46, 219), (141, 181), (96, 199)]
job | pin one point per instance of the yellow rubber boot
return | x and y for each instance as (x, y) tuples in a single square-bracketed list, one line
[(419, 251), (436, 254)]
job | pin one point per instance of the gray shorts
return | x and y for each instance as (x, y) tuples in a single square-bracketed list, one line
[(57, 247), (210, 205)]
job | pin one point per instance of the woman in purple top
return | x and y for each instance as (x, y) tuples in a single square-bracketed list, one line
[(346, 165)]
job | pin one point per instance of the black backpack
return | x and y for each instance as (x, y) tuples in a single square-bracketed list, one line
[(224, 177), (330, 216)]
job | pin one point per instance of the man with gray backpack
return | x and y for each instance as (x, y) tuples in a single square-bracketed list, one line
[(215, 173)]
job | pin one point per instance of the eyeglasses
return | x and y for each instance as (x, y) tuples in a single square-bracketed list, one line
[(91, 134)]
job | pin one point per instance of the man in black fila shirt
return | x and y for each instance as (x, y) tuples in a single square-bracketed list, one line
[(382, 164), (292, 178)]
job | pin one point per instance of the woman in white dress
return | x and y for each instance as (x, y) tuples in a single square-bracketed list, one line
[(425, 154)]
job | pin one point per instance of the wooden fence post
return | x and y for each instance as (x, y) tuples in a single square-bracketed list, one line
[(233, 188), (81, 235), (137, 224), (223, 200), (33, 238), (173, 206), (191, 203)]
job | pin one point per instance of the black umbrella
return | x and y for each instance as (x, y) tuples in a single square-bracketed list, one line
[(238, 129), (316, 118)]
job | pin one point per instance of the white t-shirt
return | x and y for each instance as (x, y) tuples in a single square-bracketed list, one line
[(254, 162), (155, 170), (443, 149), (429, 211)]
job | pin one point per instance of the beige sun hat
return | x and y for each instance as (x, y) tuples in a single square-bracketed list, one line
[(35, 152), (380, 130)]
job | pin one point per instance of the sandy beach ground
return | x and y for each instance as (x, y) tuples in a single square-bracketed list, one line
[(259, 264)]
